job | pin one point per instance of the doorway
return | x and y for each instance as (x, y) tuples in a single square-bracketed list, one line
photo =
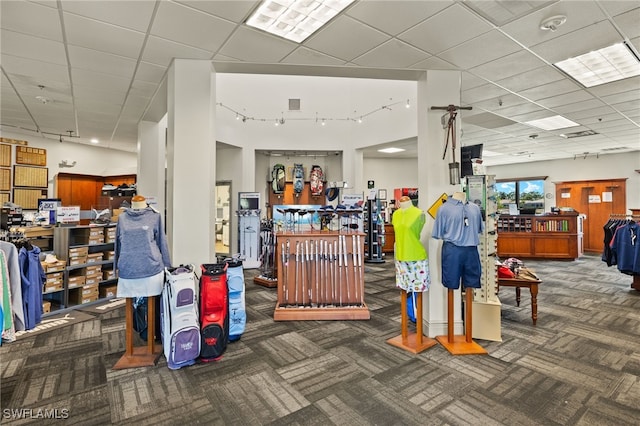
[(223, 218)]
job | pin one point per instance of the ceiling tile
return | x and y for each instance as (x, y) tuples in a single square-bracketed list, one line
[(580, 107), (94, 60), (150, 72), (520, 110), (500, 12), (629, 22), (32, 19), (472, 53), (437, 34), (394, 17), (305, 56), (494, 104), (100, 85), (507, 66), (191, 27), (26, 46), (526, 30), (618, 7), (565, 99), (434, 63), (35, 70), (487, 91), (330, 38), (392, 54), (595, 36), (627, 85), (236, 11), (161, 52), (135, 15), (469, 81), (529, 79), (251, 45), (104, 37)]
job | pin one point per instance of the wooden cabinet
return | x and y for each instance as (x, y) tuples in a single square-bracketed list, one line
[(597, 200), (548, 237), (389, 239)]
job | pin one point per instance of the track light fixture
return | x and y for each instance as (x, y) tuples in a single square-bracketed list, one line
[(280, 121)]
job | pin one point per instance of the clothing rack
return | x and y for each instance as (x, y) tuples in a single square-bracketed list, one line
[(618, 220)]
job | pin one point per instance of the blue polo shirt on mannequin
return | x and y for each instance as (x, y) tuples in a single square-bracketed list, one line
[(458, 224)]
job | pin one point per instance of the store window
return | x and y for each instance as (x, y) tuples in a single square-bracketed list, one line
[(525, 195)]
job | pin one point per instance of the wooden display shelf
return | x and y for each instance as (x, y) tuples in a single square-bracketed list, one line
[(544, 237), (320, 276)]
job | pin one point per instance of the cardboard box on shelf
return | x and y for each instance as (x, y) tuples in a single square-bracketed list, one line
[(55, 266), (94, 257), (109, 255), (46, 306), (76, 281), (108, 291), (77, 260), (93, 270), (109, 275), (97, 231), (78, 251), (54, 277), (98, 239), (77, 298), (50, 287), (90, 290)]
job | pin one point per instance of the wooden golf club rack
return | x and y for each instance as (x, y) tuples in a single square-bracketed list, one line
[(320, 276)]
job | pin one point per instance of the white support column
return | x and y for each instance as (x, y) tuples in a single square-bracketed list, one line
[(436, 88), (191, 151), (151, 163)]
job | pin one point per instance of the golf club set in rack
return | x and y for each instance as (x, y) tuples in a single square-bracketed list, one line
[(267, 259), (320, 276), (350, 218)]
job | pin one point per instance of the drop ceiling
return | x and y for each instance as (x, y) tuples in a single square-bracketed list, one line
[(98, 64)]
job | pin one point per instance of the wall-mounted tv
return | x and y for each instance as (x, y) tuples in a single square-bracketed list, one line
[(467, 153)]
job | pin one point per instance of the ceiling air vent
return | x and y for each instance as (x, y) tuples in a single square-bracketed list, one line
[(616, 148), (294, 104), (579, 134)]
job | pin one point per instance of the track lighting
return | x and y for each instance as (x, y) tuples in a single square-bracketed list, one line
[(280, 121)]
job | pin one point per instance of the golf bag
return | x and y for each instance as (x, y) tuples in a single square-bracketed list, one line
[(316, 180), (214, 311), (179, 317), (277, 178), (298, 178), (237, 309)]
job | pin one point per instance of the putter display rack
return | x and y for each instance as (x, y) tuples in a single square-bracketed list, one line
[(320, 276)]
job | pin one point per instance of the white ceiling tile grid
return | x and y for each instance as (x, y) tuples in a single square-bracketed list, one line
[(98, 63)]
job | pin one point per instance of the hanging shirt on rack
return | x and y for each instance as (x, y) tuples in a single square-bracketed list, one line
[(33, 279), (8, 328), (14, 281), (626, 248)]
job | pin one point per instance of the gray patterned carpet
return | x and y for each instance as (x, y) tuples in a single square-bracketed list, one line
[(579, 366)]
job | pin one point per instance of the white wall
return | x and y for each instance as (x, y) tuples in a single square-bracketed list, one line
[(90, 160), (611, 166), (391, 173)]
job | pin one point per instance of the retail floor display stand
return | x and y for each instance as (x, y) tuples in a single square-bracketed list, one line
[(139, 356), (412, 342), (320, 276), (460, 344)]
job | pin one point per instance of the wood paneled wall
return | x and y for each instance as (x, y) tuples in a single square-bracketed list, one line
[(85, 190)]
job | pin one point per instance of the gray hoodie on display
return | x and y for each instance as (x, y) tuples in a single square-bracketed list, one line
[(141, 245)]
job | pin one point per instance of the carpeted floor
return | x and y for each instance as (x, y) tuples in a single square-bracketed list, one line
[(579, 366)]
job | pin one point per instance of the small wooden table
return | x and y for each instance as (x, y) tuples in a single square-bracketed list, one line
[(518, 284)]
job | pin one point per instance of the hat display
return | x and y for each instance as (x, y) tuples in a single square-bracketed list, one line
[(332, 193)]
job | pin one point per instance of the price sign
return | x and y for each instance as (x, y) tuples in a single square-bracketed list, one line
[(68, 214)]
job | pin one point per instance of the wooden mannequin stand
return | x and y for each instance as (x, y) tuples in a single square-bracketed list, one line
[(140, 356), (412, 342), (460, 344)]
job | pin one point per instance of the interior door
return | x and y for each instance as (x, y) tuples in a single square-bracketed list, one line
[(597, 200), (223, 218)]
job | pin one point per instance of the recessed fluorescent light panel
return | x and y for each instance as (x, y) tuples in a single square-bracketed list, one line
[(602, 66), (295, 20), (552, 123), (391, 150)]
